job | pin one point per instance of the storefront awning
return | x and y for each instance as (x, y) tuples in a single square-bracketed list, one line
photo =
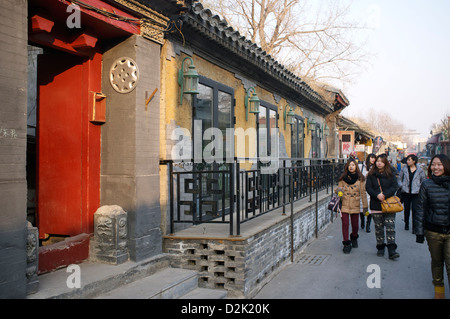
[(433, 140)]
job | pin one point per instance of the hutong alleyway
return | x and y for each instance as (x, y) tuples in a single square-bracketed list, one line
[(322, 270)]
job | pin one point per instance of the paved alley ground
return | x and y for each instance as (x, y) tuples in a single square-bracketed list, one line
[(324, 271)]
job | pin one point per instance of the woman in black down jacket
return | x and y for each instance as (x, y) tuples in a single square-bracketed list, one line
[(382, 172), (432, 219)]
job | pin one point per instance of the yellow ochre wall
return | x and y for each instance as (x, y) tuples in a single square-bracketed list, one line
[(172, 113)]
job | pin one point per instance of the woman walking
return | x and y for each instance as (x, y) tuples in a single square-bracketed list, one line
[(432, 220), (352, 186), (365, 168), (411, 178), (381, 183)]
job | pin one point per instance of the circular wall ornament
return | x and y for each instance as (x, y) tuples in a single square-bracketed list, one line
[(124, 75)]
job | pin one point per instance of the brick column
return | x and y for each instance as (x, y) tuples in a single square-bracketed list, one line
[(130, 147), (13, 141)]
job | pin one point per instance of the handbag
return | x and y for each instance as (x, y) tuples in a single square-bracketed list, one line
[(335, 204), (391, 204)]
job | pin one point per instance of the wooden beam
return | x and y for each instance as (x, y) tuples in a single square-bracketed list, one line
[(41, 24)]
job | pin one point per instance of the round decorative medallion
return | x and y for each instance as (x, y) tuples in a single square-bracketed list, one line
[(123, 75)]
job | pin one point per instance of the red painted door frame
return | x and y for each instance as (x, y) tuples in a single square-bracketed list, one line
[(68, 145)]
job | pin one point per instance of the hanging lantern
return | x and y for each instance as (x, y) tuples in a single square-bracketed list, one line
[(188, 80), (251, 104), (312, 125), (289, 117)]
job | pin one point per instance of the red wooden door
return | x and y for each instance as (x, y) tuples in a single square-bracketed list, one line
[(64, 205)]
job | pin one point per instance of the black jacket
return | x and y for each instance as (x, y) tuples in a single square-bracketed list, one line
[(433, 212), (389, 186)]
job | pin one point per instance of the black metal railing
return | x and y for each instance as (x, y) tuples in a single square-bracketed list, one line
[(226, 193)]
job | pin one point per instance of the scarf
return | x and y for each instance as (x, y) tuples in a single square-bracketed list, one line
[(380, 175), (351, 178)]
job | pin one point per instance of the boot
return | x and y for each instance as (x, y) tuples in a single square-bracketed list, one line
[(369, 219), (380, 250), (361, 215), (354, 240), (347, 247), (406, 219), (392, 253), (439, 292)]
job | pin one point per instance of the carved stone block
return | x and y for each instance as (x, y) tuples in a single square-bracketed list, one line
[(110, 233)]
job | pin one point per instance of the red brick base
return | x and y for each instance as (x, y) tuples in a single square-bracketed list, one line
[(73, 250)]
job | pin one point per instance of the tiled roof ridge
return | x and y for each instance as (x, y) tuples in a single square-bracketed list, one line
[(234, 38)]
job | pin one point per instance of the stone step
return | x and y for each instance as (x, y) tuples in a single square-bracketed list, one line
[(97, 278), (204, 293), (169, 283)]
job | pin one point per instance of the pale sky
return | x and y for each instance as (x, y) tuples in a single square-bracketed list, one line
[(410, 74)]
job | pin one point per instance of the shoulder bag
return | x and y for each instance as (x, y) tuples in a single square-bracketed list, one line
[(391, 204)]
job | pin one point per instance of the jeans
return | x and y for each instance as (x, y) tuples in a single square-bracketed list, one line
[(410, 201), (439, 246), (384, 221)]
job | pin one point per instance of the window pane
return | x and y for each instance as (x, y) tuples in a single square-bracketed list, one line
[(300, 138), (273, 118), (294, 140), (204, 109), (204, 106), (262, 132), (272, 126), (262, 118), (224, 116), (224, 109), (316, 142)]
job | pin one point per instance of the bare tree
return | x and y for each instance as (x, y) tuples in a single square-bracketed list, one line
[(383, 124), (442, 127), (313, 39)]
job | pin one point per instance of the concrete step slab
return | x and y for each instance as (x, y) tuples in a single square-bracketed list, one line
[(204, 293), (170, 283), (97, 278)]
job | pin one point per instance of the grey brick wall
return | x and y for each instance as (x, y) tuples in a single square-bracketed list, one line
[(242, 266), (220, 264), (13, 130)]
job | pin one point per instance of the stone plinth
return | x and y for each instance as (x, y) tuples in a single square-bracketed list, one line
[(110, 231)]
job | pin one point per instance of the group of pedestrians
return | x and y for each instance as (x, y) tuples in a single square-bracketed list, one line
[(364, 187)]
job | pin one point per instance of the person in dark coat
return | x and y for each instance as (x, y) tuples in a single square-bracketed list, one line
[(432, 220), (411, 177), (382, 183), (365, 168)]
